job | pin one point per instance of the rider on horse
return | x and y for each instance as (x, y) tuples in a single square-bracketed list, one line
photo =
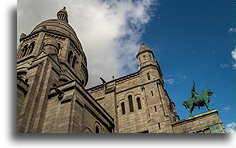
[(194, 94)]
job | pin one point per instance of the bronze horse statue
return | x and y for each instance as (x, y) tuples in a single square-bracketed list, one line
[(198, 100)]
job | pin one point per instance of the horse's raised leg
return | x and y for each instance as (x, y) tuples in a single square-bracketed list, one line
[(190, 113), (207, 106), (191, 110)]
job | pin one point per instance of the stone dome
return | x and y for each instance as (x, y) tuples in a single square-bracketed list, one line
[(59, 27)]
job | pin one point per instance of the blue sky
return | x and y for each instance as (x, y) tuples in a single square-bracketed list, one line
[(192, 40)]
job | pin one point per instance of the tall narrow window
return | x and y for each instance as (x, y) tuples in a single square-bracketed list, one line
[(24, 50), (74, 61), (155, 107), (152, 93), (144, 57), (69, 57), (131, 107), (31, 47), (139, 103), (97, 129), (159, 125), (148, 76), (123, 108)]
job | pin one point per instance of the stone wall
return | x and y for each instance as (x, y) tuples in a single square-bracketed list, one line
[(76, 112), (154, 116), (207, 122)]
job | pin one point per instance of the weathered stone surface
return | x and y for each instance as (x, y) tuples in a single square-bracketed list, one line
[(207, 122), (51, 96)]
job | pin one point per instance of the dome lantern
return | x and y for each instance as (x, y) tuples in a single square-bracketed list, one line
[(62, 15)]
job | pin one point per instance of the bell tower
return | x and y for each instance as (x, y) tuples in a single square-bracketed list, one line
[(160, 108), (146, 60)]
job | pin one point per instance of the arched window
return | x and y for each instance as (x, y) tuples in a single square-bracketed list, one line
[(144, 57), (74, 61), (148, 76), (31, 47), (131, 107), (139, 103), (150, 57), (123, 108), (69, 57), (97, 129), (24, 50)]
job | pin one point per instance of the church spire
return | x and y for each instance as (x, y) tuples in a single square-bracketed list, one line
[(62, 15)]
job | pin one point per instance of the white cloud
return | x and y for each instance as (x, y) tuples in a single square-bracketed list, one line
[(227, 108), (110, 31), (224, 65), (230, 127), (169, 81), (180, 76), (234, 57), (232, 30), (176, 78)]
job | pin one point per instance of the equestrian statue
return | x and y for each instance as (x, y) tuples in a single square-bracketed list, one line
[(198, 100)]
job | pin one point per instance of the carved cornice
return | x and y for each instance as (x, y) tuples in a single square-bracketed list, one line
[(29, 37), (54, 36), (118, 81), (128, 77)]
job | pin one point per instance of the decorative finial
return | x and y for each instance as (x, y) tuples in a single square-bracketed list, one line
[(64, 7), (142, 43)]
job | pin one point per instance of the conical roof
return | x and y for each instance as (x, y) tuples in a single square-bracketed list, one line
[(143, 48)]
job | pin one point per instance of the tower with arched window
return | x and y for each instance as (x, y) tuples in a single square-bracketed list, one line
[(140, 101), (51, 96)]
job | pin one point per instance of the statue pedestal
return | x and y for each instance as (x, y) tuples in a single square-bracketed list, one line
[(207, 122)]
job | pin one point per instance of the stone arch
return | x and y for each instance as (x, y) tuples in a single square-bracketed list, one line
[(97, 127), (63, 79), (87, 130), (120, 101), (129, 93)]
